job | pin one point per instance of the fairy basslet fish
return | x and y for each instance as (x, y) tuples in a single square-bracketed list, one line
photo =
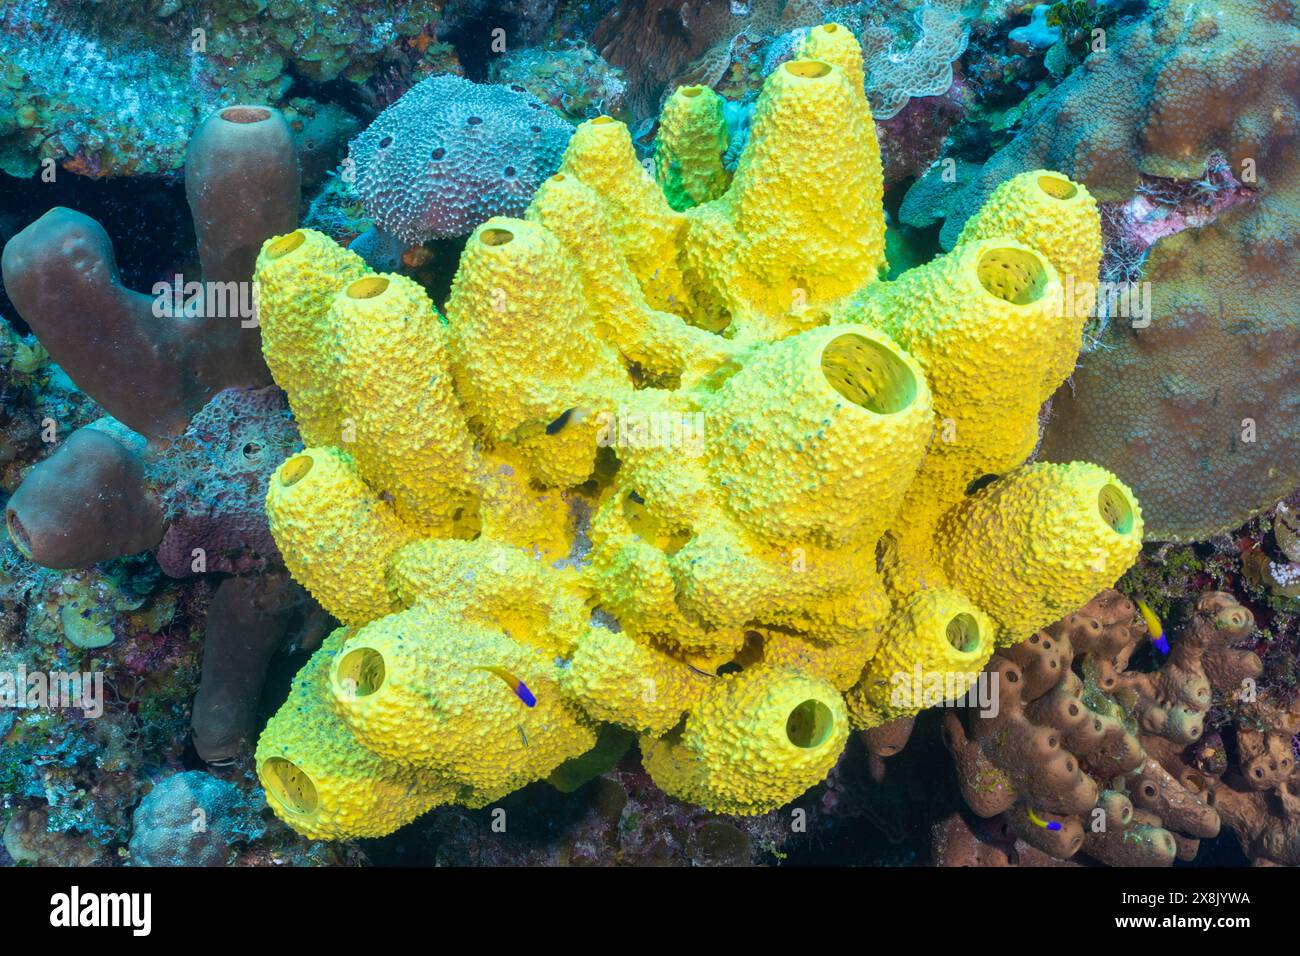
[(1045, 824), (519, 687), (1154, 626)]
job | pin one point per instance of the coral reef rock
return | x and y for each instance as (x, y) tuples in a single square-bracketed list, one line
[(114, 89), (193, 819)]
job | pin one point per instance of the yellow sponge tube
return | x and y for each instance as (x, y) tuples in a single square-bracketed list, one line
[(834, 43), (320, 781), (335, 534), (1037, 543), (422, 688), (296, 277), (935, 643), (1058, 217), (755, 742), (527, 360), (618, 680), (793, 438), (688, 152), (661, 343), (956, 315), (394, 379), (805, 199), (1049, 212), (645, 227)]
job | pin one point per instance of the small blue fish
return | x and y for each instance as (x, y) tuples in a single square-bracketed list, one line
[(1156, 629), (519, 687)]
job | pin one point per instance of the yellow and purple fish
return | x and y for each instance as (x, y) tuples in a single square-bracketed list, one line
[(519, 687), (1045, 824), (1154, 626)]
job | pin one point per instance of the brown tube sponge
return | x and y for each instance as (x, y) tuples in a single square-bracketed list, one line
[(1011, 756), (148, 370), (957, 841), (886, 740), (1068, 725), (1155, 791), (247, 623), (61, 274), (890, 737), (1145, 843), (1173, 701), (84, 504), (242, 181)]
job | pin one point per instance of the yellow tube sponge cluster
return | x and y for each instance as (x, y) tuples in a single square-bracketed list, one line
[(677, 463)]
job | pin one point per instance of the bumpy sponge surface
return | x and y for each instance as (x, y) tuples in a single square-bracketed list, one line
[(320, 780), (677, 464), (753, 743)]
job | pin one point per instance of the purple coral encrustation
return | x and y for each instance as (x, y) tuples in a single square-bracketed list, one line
[(212, 480)]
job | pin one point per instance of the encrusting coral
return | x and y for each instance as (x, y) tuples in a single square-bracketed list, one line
[(924, 70), (640, 471), (117, 89), (570, 77), (193, 819)]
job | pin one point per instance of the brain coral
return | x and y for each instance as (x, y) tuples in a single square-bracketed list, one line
[(698, 474), (450, 154), (1199, 410)]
